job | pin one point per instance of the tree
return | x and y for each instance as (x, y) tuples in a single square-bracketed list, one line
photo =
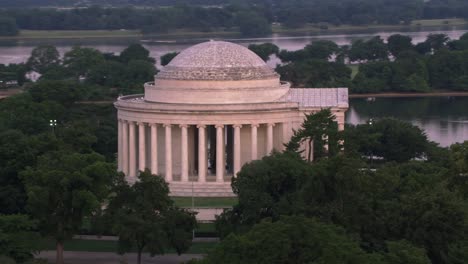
[(43, 58), (64, 188), (292, 239), (166, 58), (144, 217), (319, 130), (18, 239), (437, 41), (79, 60), (321, 49), (373, 49), (264, 50), (398, 43), (392, 139), (402, 252), (135, 52), (8, 26)]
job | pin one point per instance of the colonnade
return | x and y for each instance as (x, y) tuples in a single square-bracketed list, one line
[(132, 155)]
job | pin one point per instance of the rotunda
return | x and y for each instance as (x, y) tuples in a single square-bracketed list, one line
[(213, 108)]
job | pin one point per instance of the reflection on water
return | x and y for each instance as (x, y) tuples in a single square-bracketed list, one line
[(19, 51), (444, 119)]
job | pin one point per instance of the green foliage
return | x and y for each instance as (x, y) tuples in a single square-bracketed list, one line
[(392, 139), (63, 188), (399, 43), (402, 252), (43, 58), (144, 218), (252, 25), (17, 238), (264, 50), (79, 60), (8, 26), (317, 131), (315, 73), (166, 58), (135, 52), (290, 240), (371, 50)]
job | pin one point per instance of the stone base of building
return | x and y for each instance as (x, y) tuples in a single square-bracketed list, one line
[(197, 189)]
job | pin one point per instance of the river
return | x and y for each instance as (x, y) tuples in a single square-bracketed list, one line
[(444, 119)]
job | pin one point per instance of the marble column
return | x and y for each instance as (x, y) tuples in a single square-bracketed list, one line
[(168, 152), (202, 153), (219, 153), (125, 147), (341, 126), (237, 149), (141, 147), (254, 141), (119, 145), (184, 152), (132, 151), (270, 138), (154, 149)]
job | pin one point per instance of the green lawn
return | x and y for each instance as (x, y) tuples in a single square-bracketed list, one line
[(111, 246), (37, 34), (210, 202), (438, 22), (354, 70), (344, 27)]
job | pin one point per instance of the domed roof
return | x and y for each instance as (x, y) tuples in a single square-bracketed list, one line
[(218, 61)]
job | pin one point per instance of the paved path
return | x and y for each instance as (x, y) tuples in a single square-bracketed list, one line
[(72, 257)]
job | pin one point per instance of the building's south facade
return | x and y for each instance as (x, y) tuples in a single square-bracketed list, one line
[(215, 107)]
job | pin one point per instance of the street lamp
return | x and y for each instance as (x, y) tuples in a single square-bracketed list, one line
[(53, 124)]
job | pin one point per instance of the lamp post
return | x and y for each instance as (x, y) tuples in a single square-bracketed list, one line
[(53, 124)]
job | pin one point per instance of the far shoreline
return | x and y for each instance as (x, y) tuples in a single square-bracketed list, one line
[(417, 25)]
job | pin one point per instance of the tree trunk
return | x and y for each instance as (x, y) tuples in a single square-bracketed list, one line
[(59, 259), (139, 256), (310, 154)]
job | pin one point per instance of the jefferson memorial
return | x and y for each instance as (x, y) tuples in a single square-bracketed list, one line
[(213, 108)]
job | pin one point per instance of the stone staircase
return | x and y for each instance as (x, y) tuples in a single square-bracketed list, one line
[(208, 189)]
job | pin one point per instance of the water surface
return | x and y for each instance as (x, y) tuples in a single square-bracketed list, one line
[(444, 119)]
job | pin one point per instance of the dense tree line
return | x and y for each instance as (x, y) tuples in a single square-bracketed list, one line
[(396, 65), (251, 18), (342, 207)]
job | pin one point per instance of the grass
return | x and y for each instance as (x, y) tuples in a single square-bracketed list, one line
[(439, 22), (344, 27), (311, 28), (354, 70), (205, 202), (111, 246), (62, 34)]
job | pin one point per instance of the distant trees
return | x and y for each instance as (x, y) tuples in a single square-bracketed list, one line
[(252, 25), (167, 58), (264, 50), (43, 58), (8, 26)]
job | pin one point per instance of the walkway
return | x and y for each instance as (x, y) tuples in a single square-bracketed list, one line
[(112, 258)]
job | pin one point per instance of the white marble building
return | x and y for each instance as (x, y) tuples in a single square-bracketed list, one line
[(215, 107)]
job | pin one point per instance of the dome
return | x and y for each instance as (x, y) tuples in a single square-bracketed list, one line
[(217, 60), (216, 72)]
